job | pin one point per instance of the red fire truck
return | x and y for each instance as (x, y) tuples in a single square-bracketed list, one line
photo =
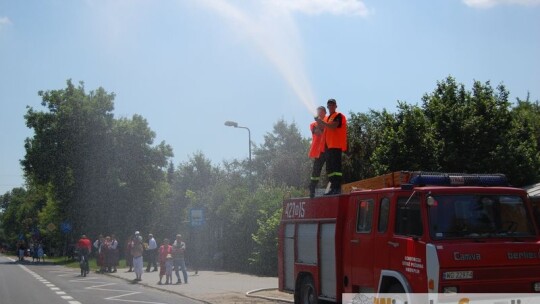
[(415, 232)]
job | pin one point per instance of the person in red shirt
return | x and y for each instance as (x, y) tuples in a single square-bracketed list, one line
[(163, 251), (84, 246), (316, 151)]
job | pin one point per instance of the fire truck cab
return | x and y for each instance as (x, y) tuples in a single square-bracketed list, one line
[(427, 233)]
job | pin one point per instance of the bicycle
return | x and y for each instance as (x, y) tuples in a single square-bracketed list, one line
[(83, 264)]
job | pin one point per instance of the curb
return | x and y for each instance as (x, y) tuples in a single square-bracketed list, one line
[(250, 294)]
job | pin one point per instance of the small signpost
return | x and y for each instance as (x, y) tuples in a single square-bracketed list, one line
[(65, 227), (51, 227), (196, 217)]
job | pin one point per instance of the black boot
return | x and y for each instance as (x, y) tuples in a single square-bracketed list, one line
[(335, 188), (312, 187)]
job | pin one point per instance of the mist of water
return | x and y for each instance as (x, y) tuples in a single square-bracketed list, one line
[(273, 31)]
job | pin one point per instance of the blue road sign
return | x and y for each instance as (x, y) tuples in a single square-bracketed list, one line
[(65, 227), (196, 217)]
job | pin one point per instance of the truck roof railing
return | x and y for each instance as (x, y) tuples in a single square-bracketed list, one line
[(457, 179), (409, 179)]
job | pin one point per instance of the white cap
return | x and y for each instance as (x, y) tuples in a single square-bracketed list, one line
[(137, 233)]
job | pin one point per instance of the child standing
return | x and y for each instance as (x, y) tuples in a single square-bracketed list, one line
[(164, 251), (168, 269)]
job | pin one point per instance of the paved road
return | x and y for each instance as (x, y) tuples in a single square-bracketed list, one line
[(50, 284)]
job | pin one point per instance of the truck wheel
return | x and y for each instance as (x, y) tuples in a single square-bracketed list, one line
[(396, 288), (306, 292)]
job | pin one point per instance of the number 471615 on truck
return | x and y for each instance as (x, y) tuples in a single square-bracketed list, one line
[(410, 232)]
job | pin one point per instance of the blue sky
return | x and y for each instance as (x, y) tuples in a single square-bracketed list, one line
[(189, 65)]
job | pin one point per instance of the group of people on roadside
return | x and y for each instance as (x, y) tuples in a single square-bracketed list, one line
[(170, 256), (34, 250), (107, 253), (37, 252)]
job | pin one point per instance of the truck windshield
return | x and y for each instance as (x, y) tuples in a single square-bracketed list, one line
[(479, 216)]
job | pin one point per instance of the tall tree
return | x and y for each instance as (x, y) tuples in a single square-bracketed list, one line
[(283, 157), (101, 171), (407, 142), (364, 136)]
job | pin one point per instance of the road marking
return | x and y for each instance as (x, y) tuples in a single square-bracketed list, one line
[(101, 285), (48, 284), (117, 297), (64, 273)]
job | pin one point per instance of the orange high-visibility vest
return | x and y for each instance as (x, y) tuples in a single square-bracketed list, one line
[(317, 142), (336, 138)]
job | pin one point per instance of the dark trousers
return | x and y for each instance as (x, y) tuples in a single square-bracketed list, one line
[(333, 167), (318, 164), (152, 259), (83, 259)]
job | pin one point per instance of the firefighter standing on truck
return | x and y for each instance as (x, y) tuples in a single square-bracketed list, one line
[(335, 139), (317, 150)]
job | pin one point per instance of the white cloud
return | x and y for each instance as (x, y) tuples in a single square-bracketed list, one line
[(492, 3), (4, 21), (316, 7)]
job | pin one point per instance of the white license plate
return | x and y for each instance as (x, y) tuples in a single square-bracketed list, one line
[(457, 275)]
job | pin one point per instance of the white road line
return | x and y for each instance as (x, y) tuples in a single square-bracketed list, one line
[(134, 301), (117, 298), (64, 273), (99, 287), (48, 284), (124, 295), (91, 280)]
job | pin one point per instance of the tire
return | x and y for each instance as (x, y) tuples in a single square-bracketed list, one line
[(84, 266), (306, 293), (396, 288), (399, 293)]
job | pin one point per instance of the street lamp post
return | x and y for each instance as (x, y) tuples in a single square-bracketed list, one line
[(235, 124)]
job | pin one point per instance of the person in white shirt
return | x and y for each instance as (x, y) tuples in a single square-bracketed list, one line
[(179, 253), (151, 253), (115, 252)]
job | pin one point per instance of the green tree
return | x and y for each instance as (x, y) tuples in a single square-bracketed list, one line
[(364, 136), (101, 172), (478, 133), (407, 142), (283, 157), (20, 209), (269, 199)]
